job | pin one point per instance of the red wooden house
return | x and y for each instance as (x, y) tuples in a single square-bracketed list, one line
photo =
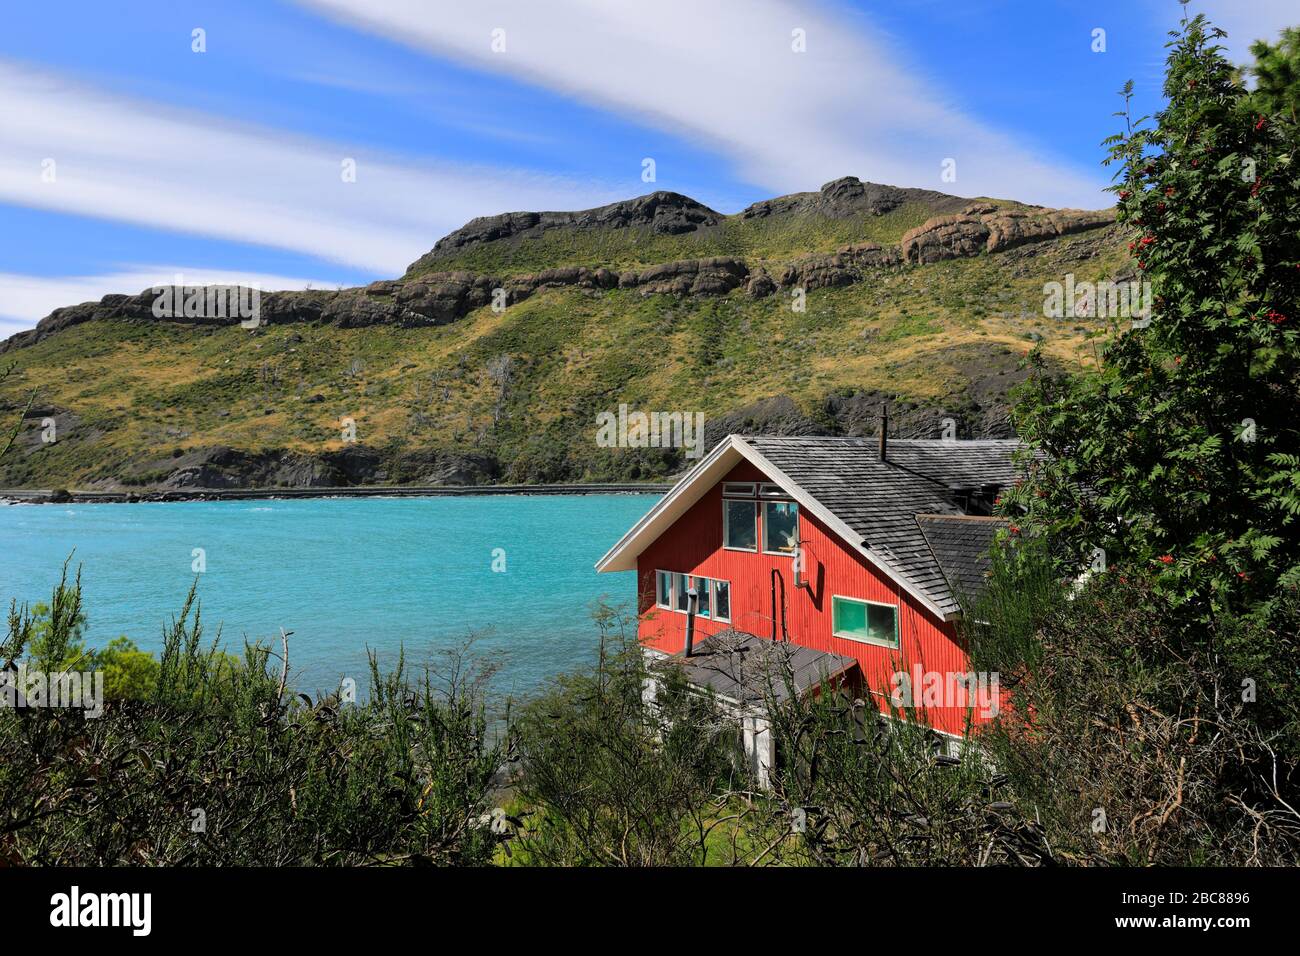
[(845, 558)]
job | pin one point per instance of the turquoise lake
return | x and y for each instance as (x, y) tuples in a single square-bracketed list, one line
[(343, 574)]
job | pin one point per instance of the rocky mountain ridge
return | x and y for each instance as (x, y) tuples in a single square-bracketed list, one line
[(433, 298)]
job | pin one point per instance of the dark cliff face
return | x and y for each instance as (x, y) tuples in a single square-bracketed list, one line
[(224, 467)]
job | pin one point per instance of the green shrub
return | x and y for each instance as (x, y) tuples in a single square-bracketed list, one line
[(129, 673), (611, 778), (201, 758)]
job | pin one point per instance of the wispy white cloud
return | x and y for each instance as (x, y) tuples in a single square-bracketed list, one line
[(725, 73), (1246, 22), (24, 299), (182, 171)]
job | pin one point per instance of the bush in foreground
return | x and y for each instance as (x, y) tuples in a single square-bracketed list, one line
[(214, 762)]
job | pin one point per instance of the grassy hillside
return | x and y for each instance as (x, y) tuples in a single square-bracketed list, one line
[(523, 387)]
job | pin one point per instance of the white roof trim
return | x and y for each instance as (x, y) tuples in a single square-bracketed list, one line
[(622, 557), (729, 451)]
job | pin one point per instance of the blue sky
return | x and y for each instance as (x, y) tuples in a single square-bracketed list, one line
[(128, 158)]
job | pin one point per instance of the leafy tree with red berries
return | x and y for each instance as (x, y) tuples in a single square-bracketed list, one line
[(1179, 458)]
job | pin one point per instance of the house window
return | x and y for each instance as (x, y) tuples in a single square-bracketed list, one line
[(721, 600), (780, 527), (714, 595), (865, 621), (702, 588), (738, 489), (739, 525), (664, 589)]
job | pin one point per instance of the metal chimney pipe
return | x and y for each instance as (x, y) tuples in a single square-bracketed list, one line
[(884, 430), (692, 602)]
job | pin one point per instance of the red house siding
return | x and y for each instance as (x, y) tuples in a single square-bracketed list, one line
[(693, 545)]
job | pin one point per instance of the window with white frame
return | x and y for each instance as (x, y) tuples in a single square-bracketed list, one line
[(868, 621), (664, 589), (714, 596), (780, 527), (704, 606), (739, 524), (722, 600), (742, 503)]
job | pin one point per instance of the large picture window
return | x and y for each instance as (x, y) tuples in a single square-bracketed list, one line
[(780, 527), (739, 525), (865, 621)]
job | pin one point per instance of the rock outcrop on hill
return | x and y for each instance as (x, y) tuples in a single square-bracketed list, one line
[(663, 213), (983, 227), (434, 298), (849, 197), (848, 265)]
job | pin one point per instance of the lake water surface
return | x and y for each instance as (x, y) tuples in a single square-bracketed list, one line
[(343, 574)]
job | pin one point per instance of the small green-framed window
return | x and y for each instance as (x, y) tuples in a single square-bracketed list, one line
[(866, 621)]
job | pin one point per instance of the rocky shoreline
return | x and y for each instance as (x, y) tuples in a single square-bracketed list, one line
[(63, 496)]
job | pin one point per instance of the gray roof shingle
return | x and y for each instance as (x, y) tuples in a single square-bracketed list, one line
[(879, 500), (960, 544)]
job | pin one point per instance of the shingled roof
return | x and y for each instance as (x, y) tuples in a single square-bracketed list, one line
[(961, 544), (880, 500), (872, 504)]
